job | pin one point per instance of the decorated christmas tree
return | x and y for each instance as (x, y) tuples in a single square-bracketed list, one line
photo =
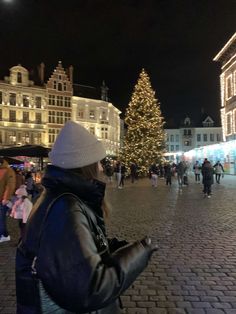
[(144, 142)]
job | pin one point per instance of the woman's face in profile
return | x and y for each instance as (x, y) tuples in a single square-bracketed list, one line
[(100, 169)]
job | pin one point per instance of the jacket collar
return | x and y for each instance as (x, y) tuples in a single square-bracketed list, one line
[(59, 180)]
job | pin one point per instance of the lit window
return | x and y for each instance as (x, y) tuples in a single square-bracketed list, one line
[(229, 130), (80, 114), (104, 133), (38, 118), (25, 138), (103, 115), (92, 130), (25, 101), (12, 99), (51, 100), (60, 86), (229, 86), (12, 116), (25, 117), (92, 114), (37, 138), (38, 102), (212, 137), (19, 77), (52, 134), (67, 102), (51, 117), (12, 137), (198, 137)]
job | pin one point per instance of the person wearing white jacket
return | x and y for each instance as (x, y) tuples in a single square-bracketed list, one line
[(21, 208)]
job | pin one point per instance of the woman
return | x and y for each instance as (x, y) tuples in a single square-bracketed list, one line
[(65, 263)]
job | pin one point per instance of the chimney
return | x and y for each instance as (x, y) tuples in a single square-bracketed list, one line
[(71, 69), (41, 72)]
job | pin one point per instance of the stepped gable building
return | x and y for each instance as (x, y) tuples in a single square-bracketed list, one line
[(192, 135), (34, 111), (227, 58)]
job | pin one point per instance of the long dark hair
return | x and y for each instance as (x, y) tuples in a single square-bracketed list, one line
[(91, 172)]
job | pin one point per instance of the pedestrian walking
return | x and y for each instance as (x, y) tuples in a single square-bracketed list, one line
[(133, 171), (180, 169), (7, 189), (21, 208), (168, 173), (120, 174), (65, 263), (108, 171), (197, 171), (207, 177), (154, 174), (219, 171)]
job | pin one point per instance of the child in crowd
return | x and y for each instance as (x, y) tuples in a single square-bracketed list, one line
[(21, 208)]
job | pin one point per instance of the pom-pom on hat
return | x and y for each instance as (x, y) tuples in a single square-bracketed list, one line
[(75, 147), (21, 191)]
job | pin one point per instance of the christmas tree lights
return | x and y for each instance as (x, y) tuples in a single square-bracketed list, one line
[(145, 138)]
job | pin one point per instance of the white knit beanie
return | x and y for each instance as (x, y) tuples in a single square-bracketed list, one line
[(21, 191), (75, 147)]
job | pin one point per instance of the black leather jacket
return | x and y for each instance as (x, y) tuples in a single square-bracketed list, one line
[(72, 247)]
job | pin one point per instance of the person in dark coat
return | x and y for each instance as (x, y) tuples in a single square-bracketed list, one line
[(180, 169), (133, 171), (168, 173), (65, 263), (207, 177), (109, 171)]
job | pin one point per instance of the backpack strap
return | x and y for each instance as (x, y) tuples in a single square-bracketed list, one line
[(98, 235)]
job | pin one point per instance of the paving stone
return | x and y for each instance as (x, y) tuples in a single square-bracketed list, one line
[(194, 270)]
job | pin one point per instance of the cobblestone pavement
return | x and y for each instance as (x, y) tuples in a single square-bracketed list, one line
[(194, 270)]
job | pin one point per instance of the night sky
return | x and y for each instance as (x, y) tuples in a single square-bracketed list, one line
[(175, 41)]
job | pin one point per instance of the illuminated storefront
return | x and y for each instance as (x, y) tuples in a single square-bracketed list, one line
[(224, 152)]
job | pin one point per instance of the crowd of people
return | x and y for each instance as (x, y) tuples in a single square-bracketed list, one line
[(168, 171), (17, 189)]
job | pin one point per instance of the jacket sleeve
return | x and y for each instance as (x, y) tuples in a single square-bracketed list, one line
[(72, 271), (11, 184)]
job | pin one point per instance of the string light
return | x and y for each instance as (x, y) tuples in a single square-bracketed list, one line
[(145, 138)]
